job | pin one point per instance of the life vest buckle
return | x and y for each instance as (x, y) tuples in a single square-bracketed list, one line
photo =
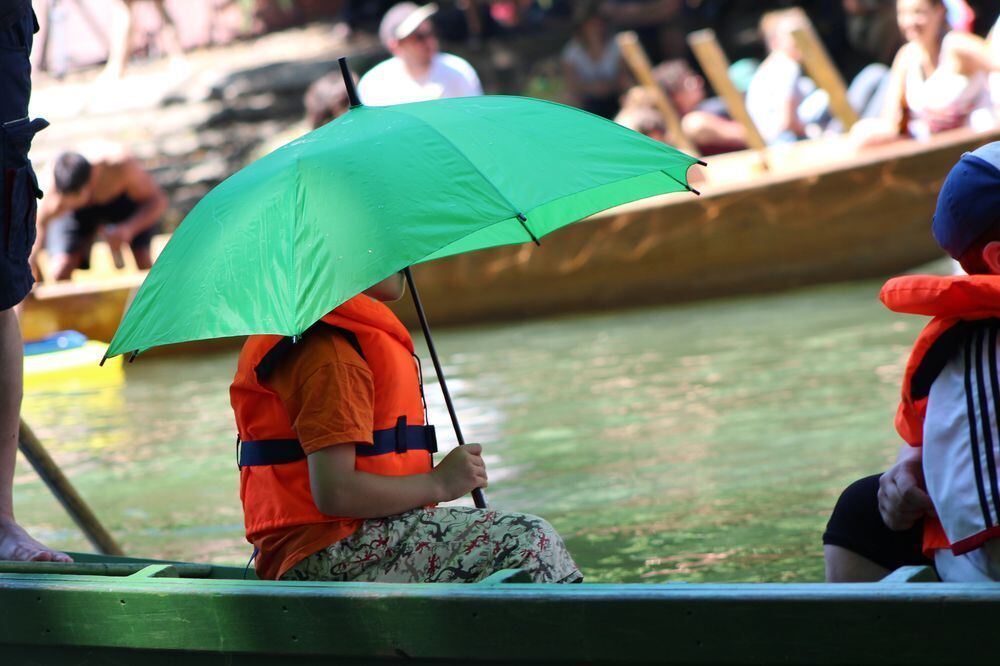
[(401, 435)]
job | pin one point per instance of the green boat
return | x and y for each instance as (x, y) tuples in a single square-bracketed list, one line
[(114, 610)]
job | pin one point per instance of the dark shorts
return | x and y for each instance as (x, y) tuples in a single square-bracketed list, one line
[(74, 232), (18, 187), (857, 525)]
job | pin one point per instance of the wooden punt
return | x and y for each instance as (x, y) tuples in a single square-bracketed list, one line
[(805, 213), (129, 611), (820, 213)]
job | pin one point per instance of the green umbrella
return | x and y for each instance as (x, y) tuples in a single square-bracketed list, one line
[(288, 238)]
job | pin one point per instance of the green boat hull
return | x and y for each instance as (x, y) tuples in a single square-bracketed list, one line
[(126, 611)]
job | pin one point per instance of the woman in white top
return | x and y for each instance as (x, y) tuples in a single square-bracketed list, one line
[(939, 79), (592, 64)]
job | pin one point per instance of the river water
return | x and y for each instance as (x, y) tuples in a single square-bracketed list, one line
[(700, 442)]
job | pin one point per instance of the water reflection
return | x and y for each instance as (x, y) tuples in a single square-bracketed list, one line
[(704, 442)]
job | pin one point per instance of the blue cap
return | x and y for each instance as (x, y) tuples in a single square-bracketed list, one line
[(969, 202)]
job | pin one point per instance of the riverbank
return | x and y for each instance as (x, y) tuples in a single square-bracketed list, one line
[(195, 121)]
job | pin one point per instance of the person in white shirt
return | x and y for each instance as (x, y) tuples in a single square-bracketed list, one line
[(417, 70)]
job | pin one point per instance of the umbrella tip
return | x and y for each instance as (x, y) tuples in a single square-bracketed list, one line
[(103, 359), (352, 90)]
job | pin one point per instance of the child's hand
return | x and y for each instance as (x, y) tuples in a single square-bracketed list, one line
[(461, 471), (902, 498)]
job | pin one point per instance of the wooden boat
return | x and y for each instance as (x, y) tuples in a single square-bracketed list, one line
[(68, 359), (92, 302), (805, 213), (819, 213), (131, 611)]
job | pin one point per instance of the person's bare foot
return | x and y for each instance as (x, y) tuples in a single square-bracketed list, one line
[(16, 544)]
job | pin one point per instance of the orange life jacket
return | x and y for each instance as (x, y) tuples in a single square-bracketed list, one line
[(278, 495), (952, 301)]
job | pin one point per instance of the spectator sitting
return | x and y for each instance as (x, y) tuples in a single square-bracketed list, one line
[(645, 120), (938, 81), (592, 64), (778, 86), (324, 100), (704, 120), (417, 71)]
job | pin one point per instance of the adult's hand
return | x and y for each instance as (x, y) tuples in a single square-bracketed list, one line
[(902, 496), (117, 235)]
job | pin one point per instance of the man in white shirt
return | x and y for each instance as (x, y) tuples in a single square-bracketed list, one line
[(417, 71)]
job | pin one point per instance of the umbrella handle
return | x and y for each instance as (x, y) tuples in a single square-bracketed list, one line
[(478, 496)]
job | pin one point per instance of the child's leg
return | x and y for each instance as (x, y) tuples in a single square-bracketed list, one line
[(443, 545)]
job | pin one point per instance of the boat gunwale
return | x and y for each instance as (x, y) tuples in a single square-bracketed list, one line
[(895, 151)]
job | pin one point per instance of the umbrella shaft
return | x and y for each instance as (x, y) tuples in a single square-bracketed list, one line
[(477, 494)]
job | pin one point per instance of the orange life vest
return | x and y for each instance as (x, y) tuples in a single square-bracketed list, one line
[(278, 496), (952, 301)]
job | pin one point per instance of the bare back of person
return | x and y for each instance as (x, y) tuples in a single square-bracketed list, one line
[(110, 195)]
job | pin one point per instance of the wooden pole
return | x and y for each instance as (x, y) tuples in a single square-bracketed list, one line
[(714, 63), (64, 491), (637, 60), (820, 68)]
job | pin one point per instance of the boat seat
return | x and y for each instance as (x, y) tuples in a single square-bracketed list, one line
[(110, 568), (506, 576), (912, 574)]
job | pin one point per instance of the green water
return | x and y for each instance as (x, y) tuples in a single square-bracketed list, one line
[(703, 442)]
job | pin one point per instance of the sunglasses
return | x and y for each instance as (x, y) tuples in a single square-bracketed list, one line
[(422, 35)]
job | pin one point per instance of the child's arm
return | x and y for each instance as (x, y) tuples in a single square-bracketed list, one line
[(340, 490), (902, 497)]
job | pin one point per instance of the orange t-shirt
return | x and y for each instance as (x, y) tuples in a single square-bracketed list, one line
[(328, 393)]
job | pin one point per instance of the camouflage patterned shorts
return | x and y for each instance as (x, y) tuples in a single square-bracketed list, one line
[(443, 545)]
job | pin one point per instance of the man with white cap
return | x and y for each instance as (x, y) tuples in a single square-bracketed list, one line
[(418, 71)]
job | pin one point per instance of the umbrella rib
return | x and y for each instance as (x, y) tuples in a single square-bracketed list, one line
[(519, 214), (516, 211)]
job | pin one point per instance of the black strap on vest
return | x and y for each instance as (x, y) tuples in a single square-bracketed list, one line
[(940, 352), (273, 358), (399, 439)]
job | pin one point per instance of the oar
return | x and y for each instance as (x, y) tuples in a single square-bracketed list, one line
[(64, 491), (478, 496)]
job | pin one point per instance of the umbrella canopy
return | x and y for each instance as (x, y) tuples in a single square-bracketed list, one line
[(298, 232)]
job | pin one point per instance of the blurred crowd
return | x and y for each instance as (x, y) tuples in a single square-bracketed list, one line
[(909, 67), (912, 68), (893, 69)]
